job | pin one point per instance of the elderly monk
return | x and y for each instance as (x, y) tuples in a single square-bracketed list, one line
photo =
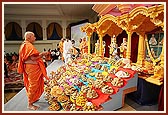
[(33, 69)]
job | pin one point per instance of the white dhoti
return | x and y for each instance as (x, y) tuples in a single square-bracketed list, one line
[(66, 49), (67, 57)]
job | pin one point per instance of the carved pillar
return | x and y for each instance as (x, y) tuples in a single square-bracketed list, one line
[(23, 25), (162, 56), (44, 27), (64, 25), (128, 53), (101, 45), (162, 53), (89, 43), (141, 49)]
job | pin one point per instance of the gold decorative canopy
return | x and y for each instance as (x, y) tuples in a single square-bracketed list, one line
[(140, 19), (136, 20)]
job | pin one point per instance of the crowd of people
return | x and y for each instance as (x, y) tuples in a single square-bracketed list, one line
[(68, 50), (10, 63)]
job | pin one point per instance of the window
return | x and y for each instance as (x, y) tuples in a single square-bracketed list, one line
[(54, 31), (13, 31), (36, 29)]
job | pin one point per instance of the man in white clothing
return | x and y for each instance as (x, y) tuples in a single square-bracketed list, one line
[(66, 50)]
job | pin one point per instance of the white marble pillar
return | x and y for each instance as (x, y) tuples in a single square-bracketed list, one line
[(23, 25), (44, 29), (64, 25)]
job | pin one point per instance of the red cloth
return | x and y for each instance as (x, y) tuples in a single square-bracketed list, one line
[(101, 98)]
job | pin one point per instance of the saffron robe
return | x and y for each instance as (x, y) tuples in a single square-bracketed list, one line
[(33, 74)]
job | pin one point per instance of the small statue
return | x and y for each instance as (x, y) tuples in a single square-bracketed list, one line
[(158, 72), (112, 46), (152, 40), (97, 44), (123, 48)]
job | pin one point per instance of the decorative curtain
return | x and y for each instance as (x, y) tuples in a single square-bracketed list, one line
[(54, 31), (58, 29), (107, 39), (8, 29), (30, 27), (13, 31), (37, 29), (50, 29), (68, 31), (18, 30), (134, 47)]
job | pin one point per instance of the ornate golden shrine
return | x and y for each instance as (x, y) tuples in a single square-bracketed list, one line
[(140, 20)]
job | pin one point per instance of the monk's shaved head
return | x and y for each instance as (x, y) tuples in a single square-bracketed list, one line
[(28, 36)]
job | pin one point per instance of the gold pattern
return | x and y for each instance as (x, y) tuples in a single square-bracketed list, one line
[(140, 20)]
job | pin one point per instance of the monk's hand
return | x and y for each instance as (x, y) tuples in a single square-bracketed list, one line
[(43, 54)]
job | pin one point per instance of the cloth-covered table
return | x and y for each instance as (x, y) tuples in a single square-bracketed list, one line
[(146, 94)]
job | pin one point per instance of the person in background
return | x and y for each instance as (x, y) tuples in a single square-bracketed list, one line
[(80, 44), (48, 57), (33, 69), (66, 50), (53, 55), (14, 61), (61, 48), (84, 48), (74, 51), (57, 53), (5, 67), (44, 58)]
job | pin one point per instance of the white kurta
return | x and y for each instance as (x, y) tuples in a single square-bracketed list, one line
[(66, 50)]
